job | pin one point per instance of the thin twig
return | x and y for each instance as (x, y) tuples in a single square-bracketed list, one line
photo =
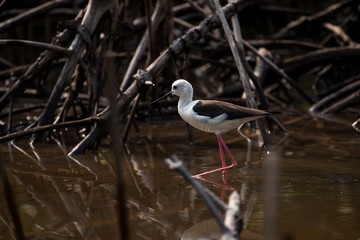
[(22, 110), (338, 31), (49, 127), (283, 42), (131, 118), (58, 49)]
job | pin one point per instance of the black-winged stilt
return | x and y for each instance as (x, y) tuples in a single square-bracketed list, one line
[(212, 116)]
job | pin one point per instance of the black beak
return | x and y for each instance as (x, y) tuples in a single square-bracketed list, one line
[(157, 100)]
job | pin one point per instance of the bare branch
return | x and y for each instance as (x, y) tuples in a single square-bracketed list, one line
[(43, 8), (65, 51)]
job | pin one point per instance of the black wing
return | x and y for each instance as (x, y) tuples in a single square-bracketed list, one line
[(213, 108)]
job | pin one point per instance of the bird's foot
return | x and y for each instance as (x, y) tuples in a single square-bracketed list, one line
[(223, 169)]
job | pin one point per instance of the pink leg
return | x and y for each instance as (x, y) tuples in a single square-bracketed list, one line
[(223, 163), (234, 163)]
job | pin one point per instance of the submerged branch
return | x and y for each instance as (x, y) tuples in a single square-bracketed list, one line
[(41, 129)]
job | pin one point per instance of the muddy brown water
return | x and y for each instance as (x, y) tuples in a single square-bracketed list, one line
[(316, 188)]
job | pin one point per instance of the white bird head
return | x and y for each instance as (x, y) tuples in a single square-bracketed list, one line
[(182, 88)]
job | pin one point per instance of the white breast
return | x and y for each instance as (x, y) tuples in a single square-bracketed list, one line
[(207, 124)]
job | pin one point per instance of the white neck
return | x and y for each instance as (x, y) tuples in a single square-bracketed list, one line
[(185, 98)]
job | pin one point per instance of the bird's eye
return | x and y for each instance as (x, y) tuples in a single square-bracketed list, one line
[(175, 87)]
